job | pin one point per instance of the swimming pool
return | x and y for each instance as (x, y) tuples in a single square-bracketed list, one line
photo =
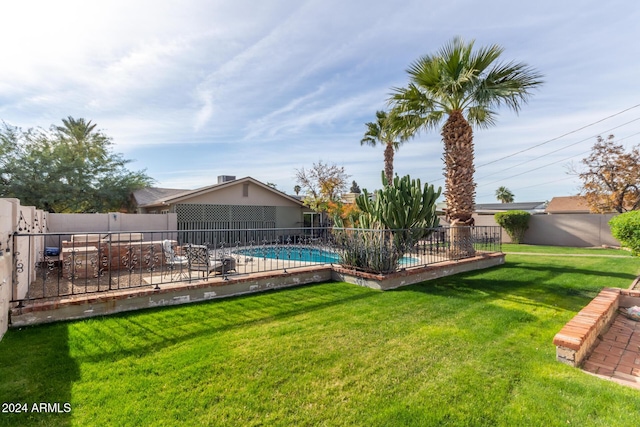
[(305, 254), (292, 253)]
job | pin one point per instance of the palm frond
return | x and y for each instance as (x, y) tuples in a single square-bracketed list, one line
[(460, 77)]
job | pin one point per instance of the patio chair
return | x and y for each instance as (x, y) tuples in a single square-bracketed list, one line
[(172, 260), (199, 259)]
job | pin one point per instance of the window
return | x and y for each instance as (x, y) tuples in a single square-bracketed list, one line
[(245, 190)]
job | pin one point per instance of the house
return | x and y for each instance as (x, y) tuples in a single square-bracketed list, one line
[(568, 205), (231, 204)]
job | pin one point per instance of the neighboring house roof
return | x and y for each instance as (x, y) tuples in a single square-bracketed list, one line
[(177, 196), (148, 195), (349, 197), (568, 204), (490, 208)]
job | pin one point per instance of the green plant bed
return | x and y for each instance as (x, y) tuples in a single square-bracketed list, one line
[(539, 249), (470, 349)]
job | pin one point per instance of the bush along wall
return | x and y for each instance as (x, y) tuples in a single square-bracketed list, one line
[(515, 224), (626, 228)]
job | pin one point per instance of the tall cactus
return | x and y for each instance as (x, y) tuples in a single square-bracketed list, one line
[(406, 208), (405, 204)]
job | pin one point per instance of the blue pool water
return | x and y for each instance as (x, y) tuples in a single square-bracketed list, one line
[(294, 253)]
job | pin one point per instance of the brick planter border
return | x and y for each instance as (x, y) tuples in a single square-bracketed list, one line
[(581, 334)]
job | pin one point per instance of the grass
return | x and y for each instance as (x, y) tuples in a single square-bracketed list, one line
[(562, 250), (473, 349)]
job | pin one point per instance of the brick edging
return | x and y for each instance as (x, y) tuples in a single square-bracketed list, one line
[(576, 339), (579, 336)]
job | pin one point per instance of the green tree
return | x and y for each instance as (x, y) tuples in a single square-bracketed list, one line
[(355, 188), (384, 132), (70, 168), (296, 189), (462, 87), (504, 195)]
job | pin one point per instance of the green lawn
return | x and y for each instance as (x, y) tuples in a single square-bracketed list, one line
[(539, 249), (472, 349)]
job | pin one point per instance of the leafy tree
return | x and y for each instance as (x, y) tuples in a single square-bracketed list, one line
[(504, 195), (344, 215), (611, 181), (70, 168), (515, 224), (297, 189), (272, 185), (626, 228), (355, 188), (322, 183), (384, 132)]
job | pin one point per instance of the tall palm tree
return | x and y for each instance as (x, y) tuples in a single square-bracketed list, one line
[(504, 195), (462, 87), (383, 132)]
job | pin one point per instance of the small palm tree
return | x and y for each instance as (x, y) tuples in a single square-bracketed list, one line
[(504, 195), (462, 87), (383, 132)]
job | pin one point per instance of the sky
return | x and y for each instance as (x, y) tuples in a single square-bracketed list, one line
[(192, 89)]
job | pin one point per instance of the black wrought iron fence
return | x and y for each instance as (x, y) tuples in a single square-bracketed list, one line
[(62, 265)]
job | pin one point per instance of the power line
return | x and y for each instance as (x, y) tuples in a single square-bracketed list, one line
[(558, 137), (535, 185), (548, 164), (550, 140), (535, 169), (563, 148)]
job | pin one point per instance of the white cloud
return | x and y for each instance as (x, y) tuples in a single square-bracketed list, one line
[(209, 87)]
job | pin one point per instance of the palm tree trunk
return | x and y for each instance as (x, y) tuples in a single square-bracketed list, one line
[(388, 163), (460, 188)]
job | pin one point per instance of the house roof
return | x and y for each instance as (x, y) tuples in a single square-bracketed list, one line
[(568, 204), (491, 208), (501, 207), (149, 195), (168, 196)]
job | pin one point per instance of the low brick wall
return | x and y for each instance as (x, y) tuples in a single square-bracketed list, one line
[(82, 306), (416, 275), (580, 335), (88, 305)]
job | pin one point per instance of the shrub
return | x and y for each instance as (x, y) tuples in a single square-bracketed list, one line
[(515, 223), (626, 228)]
